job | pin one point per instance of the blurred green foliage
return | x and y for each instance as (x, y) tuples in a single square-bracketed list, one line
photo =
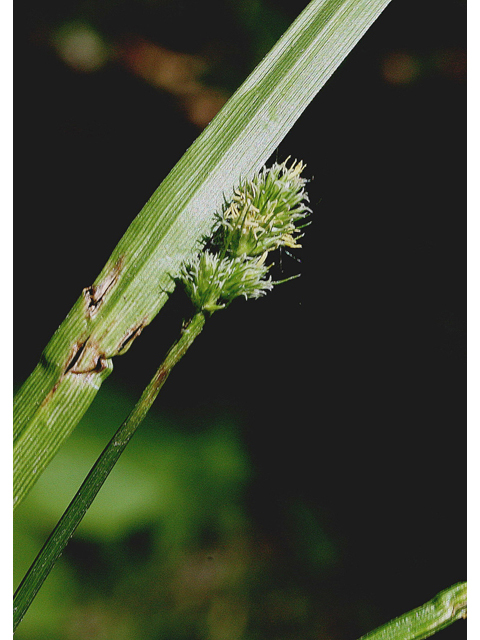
[(167, 549)]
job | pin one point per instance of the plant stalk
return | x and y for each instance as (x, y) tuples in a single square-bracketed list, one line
[(92, 484), (436, 614)]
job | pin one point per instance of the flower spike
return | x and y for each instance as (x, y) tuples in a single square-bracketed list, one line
[(261, 216)]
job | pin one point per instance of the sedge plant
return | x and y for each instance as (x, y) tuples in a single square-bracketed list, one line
[(264, 214)]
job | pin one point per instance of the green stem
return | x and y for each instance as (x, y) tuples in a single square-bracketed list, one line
[(436, 614), (92, 484)]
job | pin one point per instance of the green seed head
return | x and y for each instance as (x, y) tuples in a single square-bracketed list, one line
[(213, 282), (261, 217), (264, 212)]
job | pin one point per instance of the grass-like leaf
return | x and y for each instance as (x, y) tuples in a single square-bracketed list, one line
[(438, 613), (136, 280)]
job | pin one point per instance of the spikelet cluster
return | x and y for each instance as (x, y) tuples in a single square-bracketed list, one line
[(264, 212), (262, 216), (212, 282)]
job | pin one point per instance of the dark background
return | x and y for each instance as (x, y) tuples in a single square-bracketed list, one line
[(345, 387)]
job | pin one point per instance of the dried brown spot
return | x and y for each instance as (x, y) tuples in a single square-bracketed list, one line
[(101, 364), (95, 294), (78, 349), (86, 358), (130, 337)]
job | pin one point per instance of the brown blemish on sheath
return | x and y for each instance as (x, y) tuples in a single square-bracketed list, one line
[(78, 349), (126, 342), (96, 293), (75, 354), (86, 357), (100, 365), (85, 360)]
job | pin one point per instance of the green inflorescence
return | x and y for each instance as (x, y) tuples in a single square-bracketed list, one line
[(263, 212), (209, 279), (262, 216)]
